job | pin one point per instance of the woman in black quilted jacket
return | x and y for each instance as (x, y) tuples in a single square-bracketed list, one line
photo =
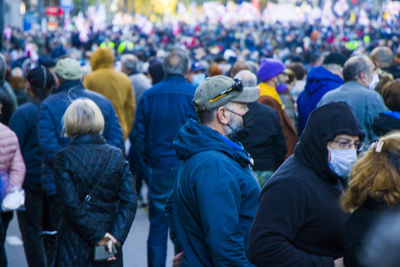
[(95, 188)]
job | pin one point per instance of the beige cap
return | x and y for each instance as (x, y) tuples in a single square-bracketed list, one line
[(68, 69)]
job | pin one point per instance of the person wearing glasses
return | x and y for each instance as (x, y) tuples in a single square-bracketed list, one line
[(358, 92), (299, 221), (215, 197)]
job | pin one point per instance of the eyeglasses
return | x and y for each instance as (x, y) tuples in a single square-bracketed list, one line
[(237, 86), (347, 144)]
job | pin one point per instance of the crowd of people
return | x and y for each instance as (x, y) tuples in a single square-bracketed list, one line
[(265, 145)]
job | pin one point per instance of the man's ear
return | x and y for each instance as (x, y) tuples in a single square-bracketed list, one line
[(223, 115)]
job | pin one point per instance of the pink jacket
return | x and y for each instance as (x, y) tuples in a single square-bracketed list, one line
[(11, 161)]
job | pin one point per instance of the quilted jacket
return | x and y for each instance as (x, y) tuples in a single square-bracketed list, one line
[(51, 138), (11, 162), (112, 207)]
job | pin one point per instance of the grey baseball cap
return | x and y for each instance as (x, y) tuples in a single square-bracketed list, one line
[(219, 90)]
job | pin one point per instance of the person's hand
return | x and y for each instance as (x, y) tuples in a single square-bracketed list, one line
[(178, 259), (108, 240), (339, 262)]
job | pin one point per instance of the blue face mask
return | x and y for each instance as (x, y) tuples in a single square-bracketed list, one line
[(342, 161), (198, 79)]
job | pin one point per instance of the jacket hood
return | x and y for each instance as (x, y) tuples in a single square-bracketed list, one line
[(386, 122), (193, 138), (318, 77), (102, 58), (323, 125)]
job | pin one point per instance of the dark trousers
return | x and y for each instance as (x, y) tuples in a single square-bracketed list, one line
[(6, 217), (52, 213), (31, 225), (161, 184)]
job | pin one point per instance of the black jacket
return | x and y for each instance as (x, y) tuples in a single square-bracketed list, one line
[(358, 226), (265, 141), (112, 207), (299, 222), (386, 122)]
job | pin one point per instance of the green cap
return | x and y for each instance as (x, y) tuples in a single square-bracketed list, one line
[(68, 69), (219, 90)]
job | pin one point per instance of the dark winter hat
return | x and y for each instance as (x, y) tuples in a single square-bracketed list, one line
[(269, 68), (335, 58), (198, 67), (156, 70), (219, 90), (47, 62), (41, 77)]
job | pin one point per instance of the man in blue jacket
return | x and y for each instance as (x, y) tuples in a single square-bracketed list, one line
[(161, 111), (215, 196), (320, 80), (50, 130)]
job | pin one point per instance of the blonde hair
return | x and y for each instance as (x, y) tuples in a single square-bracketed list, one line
[(83, 116), (375, 176)]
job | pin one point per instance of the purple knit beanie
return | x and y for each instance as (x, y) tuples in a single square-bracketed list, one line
[(269, 68)]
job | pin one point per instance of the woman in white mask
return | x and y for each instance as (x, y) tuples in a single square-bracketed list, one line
[(299, 221)]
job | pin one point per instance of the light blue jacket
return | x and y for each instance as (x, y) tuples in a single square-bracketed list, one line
[(366, 104)]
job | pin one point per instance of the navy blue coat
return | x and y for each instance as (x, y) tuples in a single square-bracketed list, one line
[(51, 137), (161, 111), (24, 123), (214, 200), (319, 82)]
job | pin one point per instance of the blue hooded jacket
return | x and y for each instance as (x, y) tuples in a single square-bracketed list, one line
[(214, 200), (319, 82), (50, 128)]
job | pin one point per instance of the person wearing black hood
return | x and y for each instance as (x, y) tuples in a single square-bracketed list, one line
[(299, 221), (215, 196)]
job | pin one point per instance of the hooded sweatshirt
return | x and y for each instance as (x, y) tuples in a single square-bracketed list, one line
[(299, 222), (319, 82), (115, 86), (214, 200)]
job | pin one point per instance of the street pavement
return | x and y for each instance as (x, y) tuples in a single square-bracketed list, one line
[(134, 248)]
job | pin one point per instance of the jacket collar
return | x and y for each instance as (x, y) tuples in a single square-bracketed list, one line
[(76, 84), (88, 138), (351, 85), (35, 100), (172, 77)]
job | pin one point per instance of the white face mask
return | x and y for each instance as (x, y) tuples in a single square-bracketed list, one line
[(342, 161), (374, 82)]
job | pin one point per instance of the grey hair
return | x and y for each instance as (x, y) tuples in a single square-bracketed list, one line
[(83, 116), (383, 55), (176, 62), (354, 66), (130, 62), (248, 78)]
